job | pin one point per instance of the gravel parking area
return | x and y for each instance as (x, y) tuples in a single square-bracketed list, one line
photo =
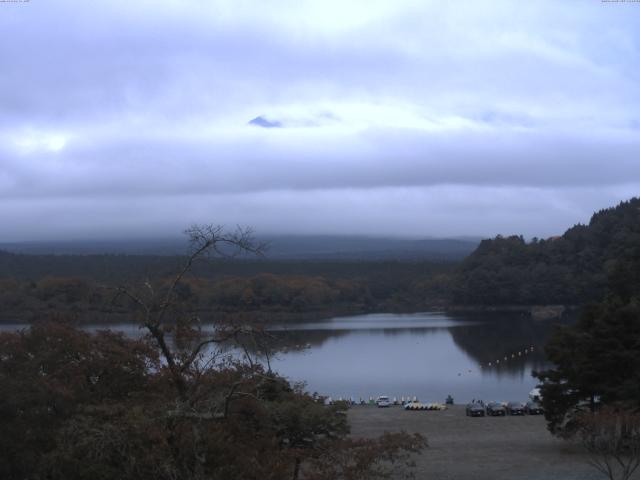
[(479, 448)]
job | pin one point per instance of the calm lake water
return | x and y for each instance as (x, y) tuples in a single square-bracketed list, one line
[(427, 355)]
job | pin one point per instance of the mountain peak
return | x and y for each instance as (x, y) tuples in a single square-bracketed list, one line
[(261, 121)]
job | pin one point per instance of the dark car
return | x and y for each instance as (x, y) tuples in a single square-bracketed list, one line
[(533, 408), (474, 410), (515, 408), (495, 409)]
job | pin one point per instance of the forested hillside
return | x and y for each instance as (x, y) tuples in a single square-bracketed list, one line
[(571, 269), (81, 286)]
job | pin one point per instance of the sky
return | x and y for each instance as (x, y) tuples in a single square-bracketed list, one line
[(386, 118)]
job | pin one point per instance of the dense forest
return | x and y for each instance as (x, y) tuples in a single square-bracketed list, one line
[(571, 269), (81, 286), (590, 386)]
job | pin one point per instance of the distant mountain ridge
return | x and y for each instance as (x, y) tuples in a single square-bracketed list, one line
[(574, 268), (300, 247)]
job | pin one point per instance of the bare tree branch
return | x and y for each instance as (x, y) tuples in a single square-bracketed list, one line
[(612, 438), (203, 241)]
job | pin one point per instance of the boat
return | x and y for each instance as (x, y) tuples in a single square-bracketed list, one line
[(425, 406), (535, 395)]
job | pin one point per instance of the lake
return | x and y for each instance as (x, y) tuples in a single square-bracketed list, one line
[(428, 355)]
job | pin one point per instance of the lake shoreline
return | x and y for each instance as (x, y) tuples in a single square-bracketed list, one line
[(536, 312), (266, 317)]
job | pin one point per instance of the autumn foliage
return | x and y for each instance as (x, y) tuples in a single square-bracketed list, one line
[(75, 405)]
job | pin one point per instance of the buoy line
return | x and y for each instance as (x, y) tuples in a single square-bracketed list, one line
[(508, 357), (413, 400)]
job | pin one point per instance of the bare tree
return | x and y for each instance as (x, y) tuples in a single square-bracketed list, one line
[(612, 438), (159, 310), (188, 358)]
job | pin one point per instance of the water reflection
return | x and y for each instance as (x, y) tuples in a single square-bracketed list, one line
[(428, 355), (381, 321)]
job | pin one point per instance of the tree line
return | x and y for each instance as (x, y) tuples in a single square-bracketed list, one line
[(283, 289), (571, 269)]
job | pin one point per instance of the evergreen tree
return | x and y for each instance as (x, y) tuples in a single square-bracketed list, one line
[(571, 269), (597, 361)]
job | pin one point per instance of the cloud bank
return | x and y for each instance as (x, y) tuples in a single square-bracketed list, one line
[(405, 118)]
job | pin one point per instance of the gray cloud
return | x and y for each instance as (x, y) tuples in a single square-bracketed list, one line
[(372, 159), (407, 211), (146, 105)]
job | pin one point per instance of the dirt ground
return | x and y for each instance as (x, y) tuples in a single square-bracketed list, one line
[(479, 448)]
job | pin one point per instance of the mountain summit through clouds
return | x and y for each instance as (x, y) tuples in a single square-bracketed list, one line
[(261, 121)]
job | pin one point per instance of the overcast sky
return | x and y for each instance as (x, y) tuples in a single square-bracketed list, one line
[(414, 118)]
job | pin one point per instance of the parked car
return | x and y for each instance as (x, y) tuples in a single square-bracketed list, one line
[(515, 408), (495, 409), (383, 401), (474, 410), (533, 408)]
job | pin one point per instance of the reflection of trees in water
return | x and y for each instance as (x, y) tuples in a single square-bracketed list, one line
[(505, 337), (294, 340), (418, 331), (485, 338), (283, 341)]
